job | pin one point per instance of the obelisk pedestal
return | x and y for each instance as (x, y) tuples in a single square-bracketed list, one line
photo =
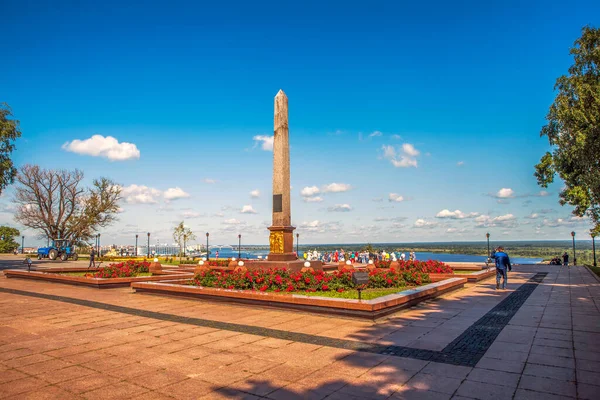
[(281, 238)]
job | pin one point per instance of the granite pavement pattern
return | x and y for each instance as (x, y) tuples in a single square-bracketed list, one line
[(549, 349)]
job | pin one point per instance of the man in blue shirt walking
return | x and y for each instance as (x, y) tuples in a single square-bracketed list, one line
[(502, 267)]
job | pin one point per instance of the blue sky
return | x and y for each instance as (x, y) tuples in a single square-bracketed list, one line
[(414, 111)]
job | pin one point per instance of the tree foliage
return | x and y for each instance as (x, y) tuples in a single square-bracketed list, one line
[(573, 130), (55, 203), (7, 239), (182, 235), (9, 132)]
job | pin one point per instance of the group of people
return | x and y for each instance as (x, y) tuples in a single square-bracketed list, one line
[(361, 257), (557, 260)]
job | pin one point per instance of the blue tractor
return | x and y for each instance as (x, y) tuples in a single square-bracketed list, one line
[(60, 248)]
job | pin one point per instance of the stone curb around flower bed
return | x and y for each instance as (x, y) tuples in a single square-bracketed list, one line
[(471, 278), (99, 283), (369, 309)]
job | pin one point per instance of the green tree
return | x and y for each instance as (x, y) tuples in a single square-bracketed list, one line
[(7, 239), (573, 130), (9, 132), (182, 236)]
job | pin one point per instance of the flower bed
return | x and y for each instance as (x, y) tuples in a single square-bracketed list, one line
[(283, 280), (428, 267), (125, 269)]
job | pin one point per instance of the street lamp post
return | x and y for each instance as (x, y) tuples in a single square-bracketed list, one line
[(574, 255), (136, 240), (22, 244), (239, 246), (487, 235), (594, 247), (207, 251), (99, 255), (297, 240), (148, 245)]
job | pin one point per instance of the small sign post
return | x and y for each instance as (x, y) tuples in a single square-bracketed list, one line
[(360, 280)]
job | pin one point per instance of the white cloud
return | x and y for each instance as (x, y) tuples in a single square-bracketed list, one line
[(507, 220), (247, 209), (396, 137), (100, 146), (505, 193), (421, 223), (375, 134), (191, 215), (309, 191), (460, 163), (266, 142), (388, 152), (533, 216), (316, 199), (340, 208), (140, 194), (406, 158), (209, 180), (395, 197), (175, 193), (456, 214), (543, 193), (255, 194), (336, 188), (404, 162), (410, 150), (232, 221)]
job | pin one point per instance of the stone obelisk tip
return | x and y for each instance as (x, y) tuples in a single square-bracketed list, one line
[(281, 93)]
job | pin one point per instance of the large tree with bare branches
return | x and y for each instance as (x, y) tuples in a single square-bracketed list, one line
[(55, 203)]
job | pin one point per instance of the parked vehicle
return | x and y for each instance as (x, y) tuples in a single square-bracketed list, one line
[(60, 248)]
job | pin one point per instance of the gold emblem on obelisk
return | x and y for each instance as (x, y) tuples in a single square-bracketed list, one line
[(276, 242)]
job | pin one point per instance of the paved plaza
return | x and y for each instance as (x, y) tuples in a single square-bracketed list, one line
[(539, 339)]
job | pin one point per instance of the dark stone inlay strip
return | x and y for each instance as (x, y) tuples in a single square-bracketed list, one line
[(466, 350)]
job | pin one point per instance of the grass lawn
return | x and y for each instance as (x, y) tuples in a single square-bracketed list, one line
[(595, 270), (464, 271), (92, 272), (367, 294)]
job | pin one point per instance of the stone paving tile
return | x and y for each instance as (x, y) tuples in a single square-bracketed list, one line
[(47, 393), (120, 390), (548, 385), (545, 371), (189, 389), (551, 360), (585, 391), (88, 383), (434, 383), (495, 377), (65, 374), (408, 393), (501, 365), (298, 392), (22, 385), (446, 370), (481, 390)]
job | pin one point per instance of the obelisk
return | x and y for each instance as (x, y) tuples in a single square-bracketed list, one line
[(281, 238)]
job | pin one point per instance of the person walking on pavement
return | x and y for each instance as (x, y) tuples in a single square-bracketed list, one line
[(92, 257), (566, 260), (502, 267)]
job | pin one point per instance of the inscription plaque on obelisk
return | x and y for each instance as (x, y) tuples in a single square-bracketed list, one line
[(281, 238)]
